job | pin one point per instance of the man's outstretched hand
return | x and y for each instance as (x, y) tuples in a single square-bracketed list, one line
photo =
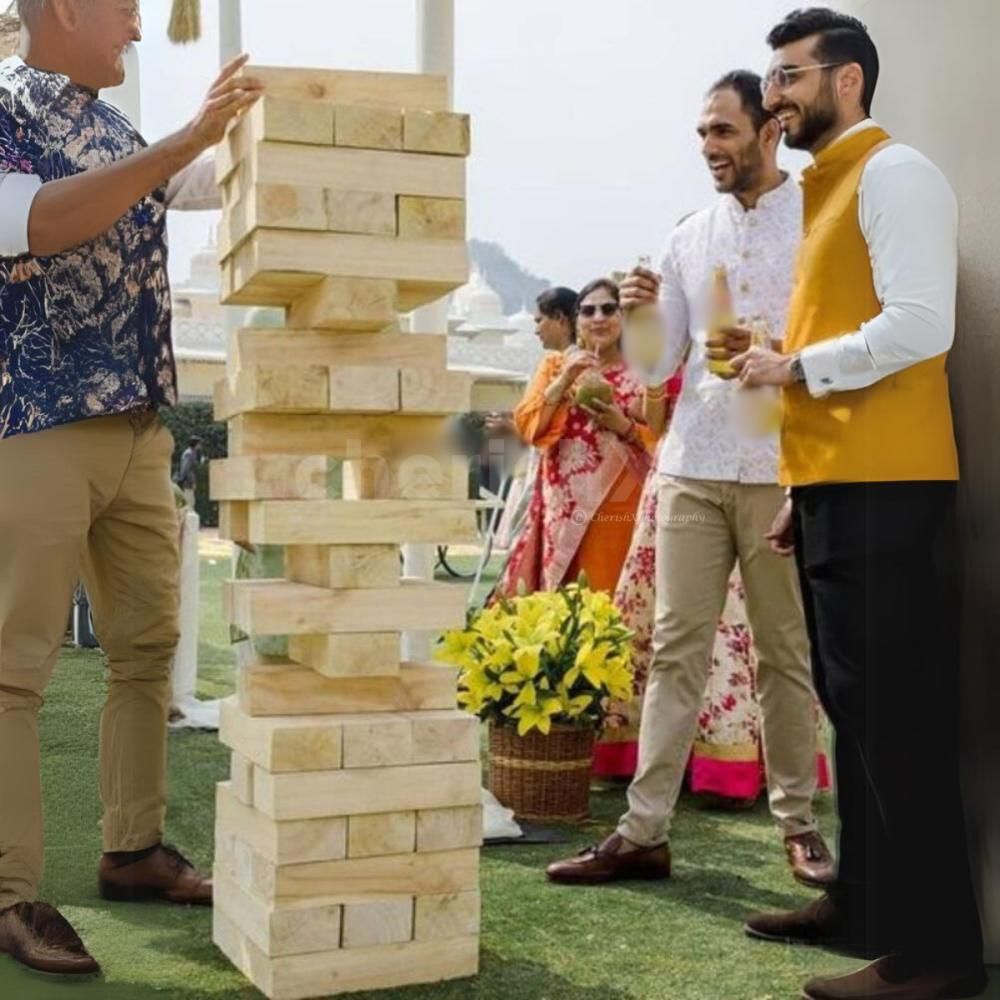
[(230, 95)]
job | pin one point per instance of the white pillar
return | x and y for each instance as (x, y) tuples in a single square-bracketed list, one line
[(935, 72), (230, 30), (436, 51)]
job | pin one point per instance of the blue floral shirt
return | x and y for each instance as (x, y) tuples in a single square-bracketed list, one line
[(85, 333)]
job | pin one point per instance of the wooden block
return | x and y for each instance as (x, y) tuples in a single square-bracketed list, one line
[(282, 687), (315, 794), (367, 925), (341, 567), (364, 389), (441, 918), (280, 843), (425, 269), (234, 522), (282, 607), (386, 741), (272, 477), (249, 347), (385, 90), (450, 735), (346, 304), (366, 654), (281, 120), (436, 132), (431, 218), (361, 212), (280, 389), (415, 477), (277, 929), (449, 829), (425, 391), (368, 127), (303, 743), (241, 773), (346, 970), (381, 834), (359, 522)]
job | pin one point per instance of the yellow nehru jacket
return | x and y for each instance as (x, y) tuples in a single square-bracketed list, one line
[(898, 429)]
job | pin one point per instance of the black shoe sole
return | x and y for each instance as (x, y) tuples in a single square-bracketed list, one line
[(129, 894), (836, 945), (608, 880)]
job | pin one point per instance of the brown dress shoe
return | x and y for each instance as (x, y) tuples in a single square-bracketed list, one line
[(890, 979), (810, 860), (42, 939), (818, 924), (603, 863), (163, 874)]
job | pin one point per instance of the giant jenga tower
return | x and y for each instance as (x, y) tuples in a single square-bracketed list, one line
[(347, 841)]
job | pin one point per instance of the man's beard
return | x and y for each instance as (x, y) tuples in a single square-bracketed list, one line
[(746, 170), (814, 122)]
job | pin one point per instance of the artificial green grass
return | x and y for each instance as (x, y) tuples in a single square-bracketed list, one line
[(679, 940)]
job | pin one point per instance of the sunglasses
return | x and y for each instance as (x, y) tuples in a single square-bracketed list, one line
[(606, 309)]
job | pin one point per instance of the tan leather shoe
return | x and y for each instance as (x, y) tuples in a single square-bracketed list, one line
[(164, 874), (42, 939), (889, 979), (810, 860), (604, 863)]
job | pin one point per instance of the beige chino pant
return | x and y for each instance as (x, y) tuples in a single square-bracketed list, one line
[(703, 528), (90, 500)]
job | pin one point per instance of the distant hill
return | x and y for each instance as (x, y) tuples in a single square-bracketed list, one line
[(517, 287)]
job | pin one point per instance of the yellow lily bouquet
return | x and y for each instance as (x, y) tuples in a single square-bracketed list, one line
[(542, 659)]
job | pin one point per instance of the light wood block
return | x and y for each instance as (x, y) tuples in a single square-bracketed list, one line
[(385, 741), (416, 477), (366, 654), (274, 348), (272, 477), (368, 212), (425, 391), (280, 843), (381, 834), (273, 206), (367, 127), (241, 773), (367, 925), (442, 918), (282, 687), (355, 304), (281, 607), (444, 132), (385, 90), (278, 929), (346, 970), (364, 389), (277, 389), (450, 735), (431, 218), (234, 522), (352, 522), (449, 829), (280, 120), (303, 743), (343, 567), (359, 791), (425, 269)]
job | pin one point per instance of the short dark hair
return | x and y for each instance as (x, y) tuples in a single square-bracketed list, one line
[(611, 287), (192, 441), (559, 303), (842, 39), (746, 83)]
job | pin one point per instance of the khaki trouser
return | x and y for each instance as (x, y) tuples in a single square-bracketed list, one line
[(703, 528), (94, 500)]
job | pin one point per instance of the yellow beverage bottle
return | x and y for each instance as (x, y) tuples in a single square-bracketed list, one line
[(758, 410), (721, 317)]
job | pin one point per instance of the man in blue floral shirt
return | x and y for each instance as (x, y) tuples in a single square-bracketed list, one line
[(85, 360)]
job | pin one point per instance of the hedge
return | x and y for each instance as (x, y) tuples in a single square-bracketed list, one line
[(187, 420)]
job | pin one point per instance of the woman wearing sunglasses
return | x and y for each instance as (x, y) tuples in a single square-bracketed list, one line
[(595, 456)]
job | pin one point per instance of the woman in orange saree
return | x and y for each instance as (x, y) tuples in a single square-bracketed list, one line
[(581, 411)]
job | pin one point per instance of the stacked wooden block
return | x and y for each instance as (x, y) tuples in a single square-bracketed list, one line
[(347, 839)]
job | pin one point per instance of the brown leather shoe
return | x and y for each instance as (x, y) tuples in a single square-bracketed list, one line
[(890, 979), (42, 939), (810, 860), (164, 874), (602, 863), (818, 925)]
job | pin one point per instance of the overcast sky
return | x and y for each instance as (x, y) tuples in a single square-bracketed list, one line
[(583, 111)]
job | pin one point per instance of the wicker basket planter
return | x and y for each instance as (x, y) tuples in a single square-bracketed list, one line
[(542, 778)]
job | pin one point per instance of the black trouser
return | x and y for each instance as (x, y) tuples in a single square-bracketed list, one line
[(877, 563)]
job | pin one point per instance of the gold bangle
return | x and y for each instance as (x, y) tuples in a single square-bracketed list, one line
[(651, 394)]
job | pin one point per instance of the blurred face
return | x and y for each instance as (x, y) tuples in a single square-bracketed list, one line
[(730, 144), (806, 103), (552, 331), (599, 322), (104, 29)]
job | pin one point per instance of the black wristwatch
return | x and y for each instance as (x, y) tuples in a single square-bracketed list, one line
[(798, 372)]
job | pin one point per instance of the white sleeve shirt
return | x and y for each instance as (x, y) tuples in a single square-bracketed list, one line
[(192, 190), (909, 217)]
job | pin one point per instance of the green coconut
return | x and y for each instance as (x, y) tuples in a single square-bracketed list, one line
[(591, 389)]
